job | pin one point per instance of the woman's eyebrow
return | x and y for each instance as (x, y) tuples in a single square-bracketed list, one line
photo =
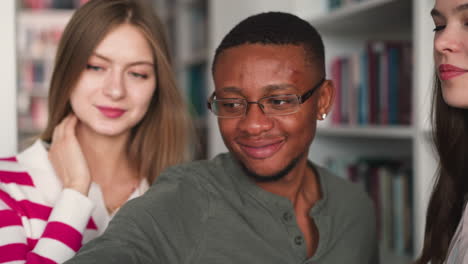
[(459, 8)]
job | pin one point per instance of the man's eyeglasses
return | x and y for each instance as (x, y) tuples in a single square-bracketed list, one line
[(270, 105)]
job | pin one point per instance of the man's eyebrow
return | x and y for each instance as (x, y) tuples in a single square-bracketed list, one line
[(461, 7), (278, 87), (231, 89), (266, 89)]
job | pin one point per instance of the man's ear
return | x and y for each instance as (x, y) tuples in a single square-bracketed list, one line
[(325, 100)]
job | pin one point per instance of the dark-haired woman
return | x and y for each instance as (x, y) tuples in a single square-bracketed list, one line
[(446, 234)]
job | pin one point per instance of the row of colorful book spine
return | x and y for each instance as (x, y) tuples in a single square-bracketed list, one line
[(373, 85), (37, 46), (389, 184), (58, 4)]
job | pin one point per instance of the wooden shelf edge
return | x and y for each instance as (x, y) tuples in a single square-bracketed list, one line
[(348, 10), (354, 18), (391, 132)]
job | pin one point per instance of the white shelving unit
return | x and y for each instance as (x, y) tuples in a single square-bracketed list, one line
[(347, 29), (8, 136), (191, 63), (390, 132)]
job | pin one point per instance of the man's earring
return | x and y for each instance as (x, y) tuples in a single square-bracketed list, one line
[(324, 115)]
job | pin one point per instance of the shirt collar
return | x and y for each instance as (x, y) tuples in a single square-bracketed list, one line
[(247, 186), (36, 161), (248, 189)]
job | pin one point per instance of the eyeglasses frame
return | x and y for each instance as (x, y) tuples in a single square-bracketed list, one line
[(301, 98)]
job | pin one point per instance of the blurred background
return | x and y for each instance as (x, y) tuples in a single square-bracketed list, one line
[(378, 53)]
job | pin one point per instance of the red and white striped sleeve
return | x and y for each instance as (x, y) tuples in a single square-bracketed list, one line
[(31, 232)]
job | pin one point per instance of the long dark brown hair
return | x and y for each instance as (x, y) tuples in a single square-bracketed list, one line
[(162, 137), (450, 136)]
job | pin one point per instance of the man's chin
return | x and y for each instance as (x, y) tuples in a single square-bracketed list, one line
[(277, 175), (263, 177)]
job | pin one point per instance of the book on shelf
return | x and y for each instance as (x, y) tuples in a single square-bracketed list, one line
[(345, 89), (353, 87), (336, 77), (373, 85), (198, 27), (374, 49), (57, 4), (362, 107), (196, 89), (36, 49), (388, 183), (335, 4), (404, 113)]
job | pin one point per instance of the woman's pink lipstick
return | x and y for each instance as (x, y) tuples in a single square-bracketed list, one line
[(448, 71), (111, 112)]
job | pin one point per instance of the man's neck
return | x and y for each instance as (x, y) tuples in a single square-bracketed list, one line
[(301, 186)]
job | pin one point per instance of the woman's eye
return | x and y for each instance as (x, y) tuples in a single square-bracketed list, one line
[(93, 67), (438, 28), (139, 75)]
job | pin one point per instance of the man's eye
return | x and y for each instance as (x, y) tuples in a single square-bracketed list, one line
[(280, 101), (231, 105)]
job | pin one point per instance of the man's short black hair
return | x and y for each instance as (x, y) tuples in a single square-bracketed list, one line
[(275, 28)]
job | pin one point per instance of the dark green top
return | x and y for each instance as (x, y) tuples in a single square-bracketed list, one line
[(210, 212)]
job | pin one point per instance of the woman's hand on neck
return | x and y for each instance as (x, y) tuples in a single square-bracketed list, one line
[(67, 157)]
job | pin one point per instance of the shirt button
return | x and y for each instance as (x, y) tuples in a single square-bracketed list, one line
[(287, 216), (298, 240)]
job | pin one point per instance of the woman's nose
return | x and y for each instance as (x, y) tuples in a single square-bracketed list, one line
[(447, 40), (115, 87)]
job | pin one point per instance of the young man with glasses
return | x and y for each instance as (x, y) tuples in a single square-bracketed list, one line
[(263, 202)]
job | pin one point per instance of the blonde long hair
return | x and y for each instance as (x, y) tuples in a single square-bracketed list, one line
[(162, 137)]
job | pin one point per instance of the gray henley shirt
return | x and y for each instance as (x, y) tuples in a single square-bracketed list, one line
[(210, 212)]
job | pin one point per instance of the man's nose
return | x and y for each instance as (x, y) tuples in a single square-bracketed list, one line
[(255, 122)]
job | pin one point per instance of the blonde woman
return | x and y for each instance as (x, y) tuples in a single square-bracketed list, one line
[(116, 120)]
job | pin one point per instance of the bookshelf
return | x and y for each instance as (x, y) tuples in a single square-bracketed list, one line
[(191, 63), (389, 20), (38, 33), (357, 15), (378, 132), (8, 70), (39, 27), (345, 30)]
